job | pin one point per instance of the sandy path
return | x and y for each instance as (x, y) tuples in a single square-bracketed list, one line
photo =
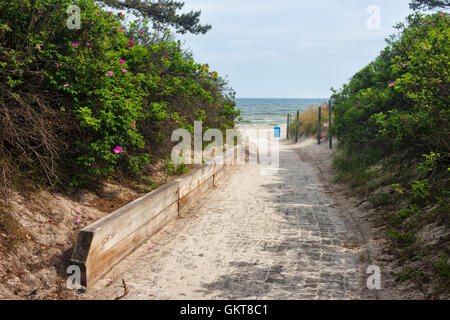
[(272, 236)]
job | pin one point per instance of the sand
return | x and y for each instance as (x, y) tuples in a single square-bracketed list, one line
[(261, 234)]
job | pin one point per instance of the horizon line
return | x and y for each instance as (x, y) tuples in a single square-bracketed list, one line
[(275, 98)]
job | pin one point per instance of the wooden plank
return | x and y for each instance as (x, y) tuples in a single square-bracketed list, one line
[(288, 126), (204, 172), (107, 232), (193, 180), (219, 163), (95, 269), (230, 156), (330, 124), (196, 194), (240, 154), (233, 155), (103, 244), (319, 125), (184, 185), (219, 175)]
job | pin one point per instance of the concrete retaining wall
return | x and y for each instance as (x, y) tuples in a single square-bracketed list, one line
[(103, 244)]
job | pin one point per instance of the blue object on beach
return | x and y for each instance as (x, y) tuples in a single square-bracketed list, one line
[(277, 132)]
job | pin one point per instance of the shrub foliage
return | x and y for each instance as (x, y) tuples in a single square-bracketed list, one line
[(79, 105), (399, 103), (392, 121)]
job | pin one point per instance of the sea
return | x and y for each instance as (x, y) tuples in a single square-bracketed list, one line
[(271, 112)]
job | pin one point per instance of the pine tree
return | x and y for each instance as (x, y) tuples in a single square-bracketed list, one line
[(163, 13), (429, 4)]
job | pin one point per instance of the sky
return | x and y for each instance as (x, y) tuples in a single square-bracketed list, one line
[(291, 48)]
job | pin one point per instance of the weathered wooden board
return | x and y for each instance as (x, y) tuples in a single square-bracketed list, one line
[(230, 156), (103, 244), (188, 200), (107, 232), (191, 181), (95, 269), (219, 175), (219, 163), (235, 156)]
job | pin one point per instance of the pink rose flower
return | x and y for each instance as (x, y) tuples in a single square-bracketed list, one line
[(118, 150)]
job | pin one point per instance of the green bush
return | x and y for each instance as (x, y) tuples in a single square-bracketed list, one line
[(393, 116), (399, 102), (381, 199), (395, 112), (82, 105), (443, 266), (405, 237)]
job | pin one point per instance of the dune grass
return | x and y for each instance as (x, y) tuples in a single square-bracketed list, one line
[(308, 121)]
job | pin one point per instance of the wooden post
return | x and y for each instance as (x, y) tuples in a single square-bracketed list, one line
[(330, 133), (296, 126), (318, 128), (287, 127)]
